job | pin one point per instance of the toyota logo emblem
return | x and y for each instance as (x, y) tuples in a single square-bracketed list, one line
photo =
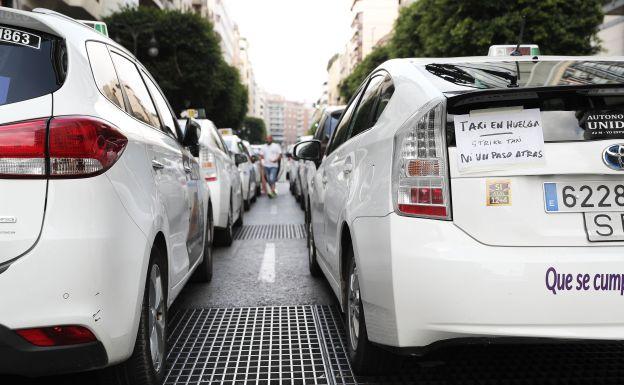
[(613, 157)]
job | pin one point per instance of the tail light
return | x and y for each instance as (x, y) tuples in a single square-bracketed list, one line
[(64, 147), (57, 335), (208, 164), (420, 173)]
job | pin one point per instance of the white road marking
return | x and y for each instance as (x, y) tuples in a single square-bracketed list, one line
[(273, 209), (267, 269)]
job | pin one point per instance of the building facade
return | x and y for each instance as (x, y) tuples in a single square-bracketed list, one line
[(78, 9), (612, 29), (274, 106), (372, 21), (297, 117), (226, 30)]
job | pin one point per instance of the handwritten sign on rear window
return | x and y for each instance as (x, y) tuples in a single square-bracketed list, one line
[(497, 140)]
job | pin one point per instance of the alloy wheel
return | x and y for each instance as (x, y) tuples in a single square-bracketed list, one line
[(354, 306), (156, 318)]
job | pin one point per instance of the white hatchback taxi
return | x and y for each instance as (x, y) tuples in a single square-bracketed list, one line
[(474, 199), (103, 218), (221, 175)]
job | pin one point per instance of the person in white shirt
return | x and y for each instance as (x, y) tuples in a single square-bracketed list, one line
[(271, 156)]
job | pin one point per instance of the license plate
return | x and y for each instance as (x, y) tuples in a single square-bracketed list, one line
[(573, 197), (14, 36), (602, 227)]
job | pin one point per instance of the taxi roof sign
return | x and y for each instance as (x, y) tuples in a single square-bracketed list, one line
[(226, 131), (509, 49), (99, 26)]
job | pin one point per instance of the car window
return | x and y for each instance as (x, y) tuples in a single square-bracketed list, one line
[(140, 102), (104, 73), (362, 118), (167, 117), (387, 90), (30, 70), (320, 131), (217, 140), (341, 133)]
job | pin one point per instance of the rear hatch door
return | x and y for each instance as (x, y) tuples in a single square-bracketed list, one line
[(553, 168), (29, 74)]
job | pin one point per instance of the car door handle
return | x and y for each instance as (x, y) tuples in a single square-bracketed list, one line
[(188, 170), (156, 165)]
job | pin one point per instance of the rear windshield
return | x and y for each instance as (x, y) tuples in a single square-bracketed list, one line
[(513, 74), (567, 114), (32, 64)]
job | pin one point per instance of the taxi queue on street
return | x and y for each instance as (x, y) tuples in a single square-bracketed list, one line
[(451, 201)]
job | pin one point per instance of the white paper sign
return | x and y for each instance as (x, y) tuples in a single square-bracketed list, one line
[(495, 140)]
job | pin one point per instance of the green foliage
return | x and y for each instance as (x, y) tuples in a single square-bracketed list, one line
[(254, 130), (443, 28), (447, 28), (351, 83), (189, 67)]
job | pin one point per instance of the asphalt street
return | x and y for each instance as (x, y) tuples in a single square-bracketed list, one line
[(240, 271)]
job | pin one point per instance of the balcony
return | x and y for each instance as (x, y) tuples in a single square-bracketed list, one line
[(613, 7)]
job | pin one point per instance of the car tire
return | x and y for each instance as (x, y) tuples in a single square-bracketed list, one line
[(239, 222), (313, 266), (225, 236), (143, 367), (366, 359), (203, 273), (247, 202), (258, 190)]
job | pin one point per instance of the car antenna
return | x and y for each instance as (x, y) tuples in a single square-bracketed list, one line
[(516, 52)]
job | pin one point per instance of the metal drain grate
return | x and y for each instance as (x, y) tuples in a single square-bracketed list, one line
[(270, 232), (269, 345)]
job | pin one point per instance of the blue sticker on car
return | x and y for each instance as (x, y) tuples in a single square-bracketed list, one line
[(4, 88), (550, 197)]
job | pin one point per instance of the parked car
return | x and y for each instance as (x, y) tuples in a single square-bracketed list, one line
[(103, 218), (221, 175), (413, 219), (324, 121), (255, 160), (245, 167), (298, 166)]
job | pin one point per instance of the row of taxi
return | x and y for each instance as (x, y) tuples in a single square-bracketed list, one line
[(471, 200), (108, 203)]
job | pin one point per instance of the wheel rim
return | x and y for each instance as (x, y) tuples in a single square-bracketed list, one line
[(310, 243), (354, 300), (156, 318)]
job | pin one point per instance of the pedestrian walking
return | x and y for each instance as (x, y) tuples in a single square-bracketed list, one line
[(271, 156)]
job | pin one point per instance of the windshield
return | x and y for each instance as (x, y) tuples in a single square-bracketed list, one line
[(492, 75)]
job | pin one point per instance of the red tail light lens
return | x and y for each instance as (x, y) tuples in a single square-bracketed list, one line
[(77, 146), (57, 335), (420, 177), (83, 146), (23, 149)]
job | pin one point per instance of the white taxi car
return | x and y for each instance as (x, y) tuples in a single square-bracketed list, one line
[(220, 173), (474, 199), (103, 218), (245, 166)]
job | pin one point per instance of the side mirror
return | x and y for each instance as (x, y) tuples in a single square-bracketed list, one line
[(192, 133), (240, 159), (308, 150)]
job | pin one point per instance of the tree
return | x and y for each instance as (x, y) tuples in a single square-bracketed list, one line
[(254, 130), (443, 28), (351, 83), (188, 67), (447, 28)]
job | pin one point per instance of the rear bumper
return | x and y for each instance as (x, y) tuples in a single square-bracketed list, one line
[(88, 268), (19, 357), (425, 281)]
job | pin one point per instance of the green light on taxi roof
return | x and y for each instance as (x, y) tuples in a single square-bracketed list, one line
[(98, 26)]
